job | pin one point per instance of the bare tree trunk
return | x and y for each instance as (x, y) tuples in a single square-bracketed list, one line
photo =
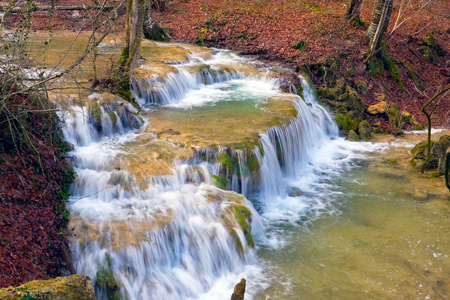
[(133, 34), (378, 27), (354, 11), (151, 30)]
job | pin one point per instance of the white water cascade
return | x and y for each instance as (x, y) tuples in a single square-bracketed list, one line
[(171, 237)]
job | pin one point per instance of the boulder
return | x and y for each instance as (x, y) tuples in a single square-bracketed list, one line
[(239, 290), (353, 136), (365, 130), (73, 287), (380, 96), (437, 155), (379, 108), (294, 192)]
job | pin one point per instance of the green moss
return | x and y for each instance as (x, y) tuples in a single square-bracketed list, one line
[(365, 130), (243, 218), (236, 240), (362, 88), (218, 182), (95, 111), (125, 94), (430, 41), (395, 118), (225, 161), (352, 136), (429, 54), (392, 162), (412, 76), (252, 163), (112, 115), (375, 66), (395, 73), (346, 123), (106, 280)]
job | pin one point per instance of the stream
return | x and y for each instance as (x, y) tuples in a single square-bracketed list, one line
[(223, 176)]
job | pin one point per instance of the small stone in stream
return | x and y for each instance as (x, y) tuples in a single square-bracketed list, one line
[(239, 290)]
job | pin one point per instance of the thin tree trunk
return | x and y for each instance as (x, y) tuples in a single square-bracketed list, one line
[(354, 11), (447, 168), (377, 29), (133, 33)]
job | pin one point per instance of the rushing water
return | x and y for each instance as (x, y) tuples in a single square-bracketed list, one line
[(352, 231)]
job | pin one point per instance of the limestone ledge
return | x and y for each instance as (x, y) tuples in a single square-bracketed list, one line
[(75, 287)]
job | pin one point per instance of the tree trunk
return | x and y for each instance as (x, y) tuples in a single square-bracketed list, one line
[(377, 29), (354, 11), (151, 30), (133, 34), (447, 168)]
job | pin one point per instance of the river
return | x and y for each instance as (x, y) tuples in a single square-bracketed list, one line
[(307, 214)]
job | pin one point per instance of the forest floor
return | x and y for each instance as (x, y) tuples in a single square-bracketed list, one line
[(307, 33)]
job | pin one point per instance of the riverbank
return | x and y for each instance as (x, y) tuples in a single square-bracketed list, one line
[(316, 37), (34, 186)]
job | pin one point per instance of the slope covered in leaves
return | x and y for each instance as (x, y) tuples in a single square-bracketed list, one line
[(34, 182), (317, 36)]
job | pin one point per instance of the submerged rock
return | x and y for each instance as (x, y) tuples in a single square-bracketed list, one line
[(294, 192), (73, 287), (239, 290)]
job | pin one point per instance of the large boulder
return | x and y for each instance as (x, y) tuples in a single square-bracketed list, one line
[(437, 155), (75, 287), (346, 103)]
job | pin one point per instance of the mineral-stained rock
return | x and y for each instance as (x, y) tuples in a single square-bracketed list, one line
[(75, 287), (379, 108), (239, 291)]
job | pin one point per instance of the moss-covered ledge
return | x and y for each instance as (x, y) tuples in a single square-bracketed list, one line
[(75, 287)]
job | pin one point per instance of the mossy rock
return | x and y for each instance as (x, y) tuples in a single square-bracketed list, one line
[(347, 123), (106, 281), (352, 101), (362, 88), (437, 155), (225, 161), (430, 41), (243, 218), (365, 130), (391, 66), (73, 287), (429, 54), (395, 118), (352, 136), (375, 66)]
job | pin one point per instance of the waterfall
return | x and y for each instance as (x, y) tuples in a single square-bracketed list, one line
[(177, 235)]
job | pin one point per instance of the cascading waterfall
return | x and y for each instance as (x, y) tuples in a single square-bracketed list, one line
[(176, 237)]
